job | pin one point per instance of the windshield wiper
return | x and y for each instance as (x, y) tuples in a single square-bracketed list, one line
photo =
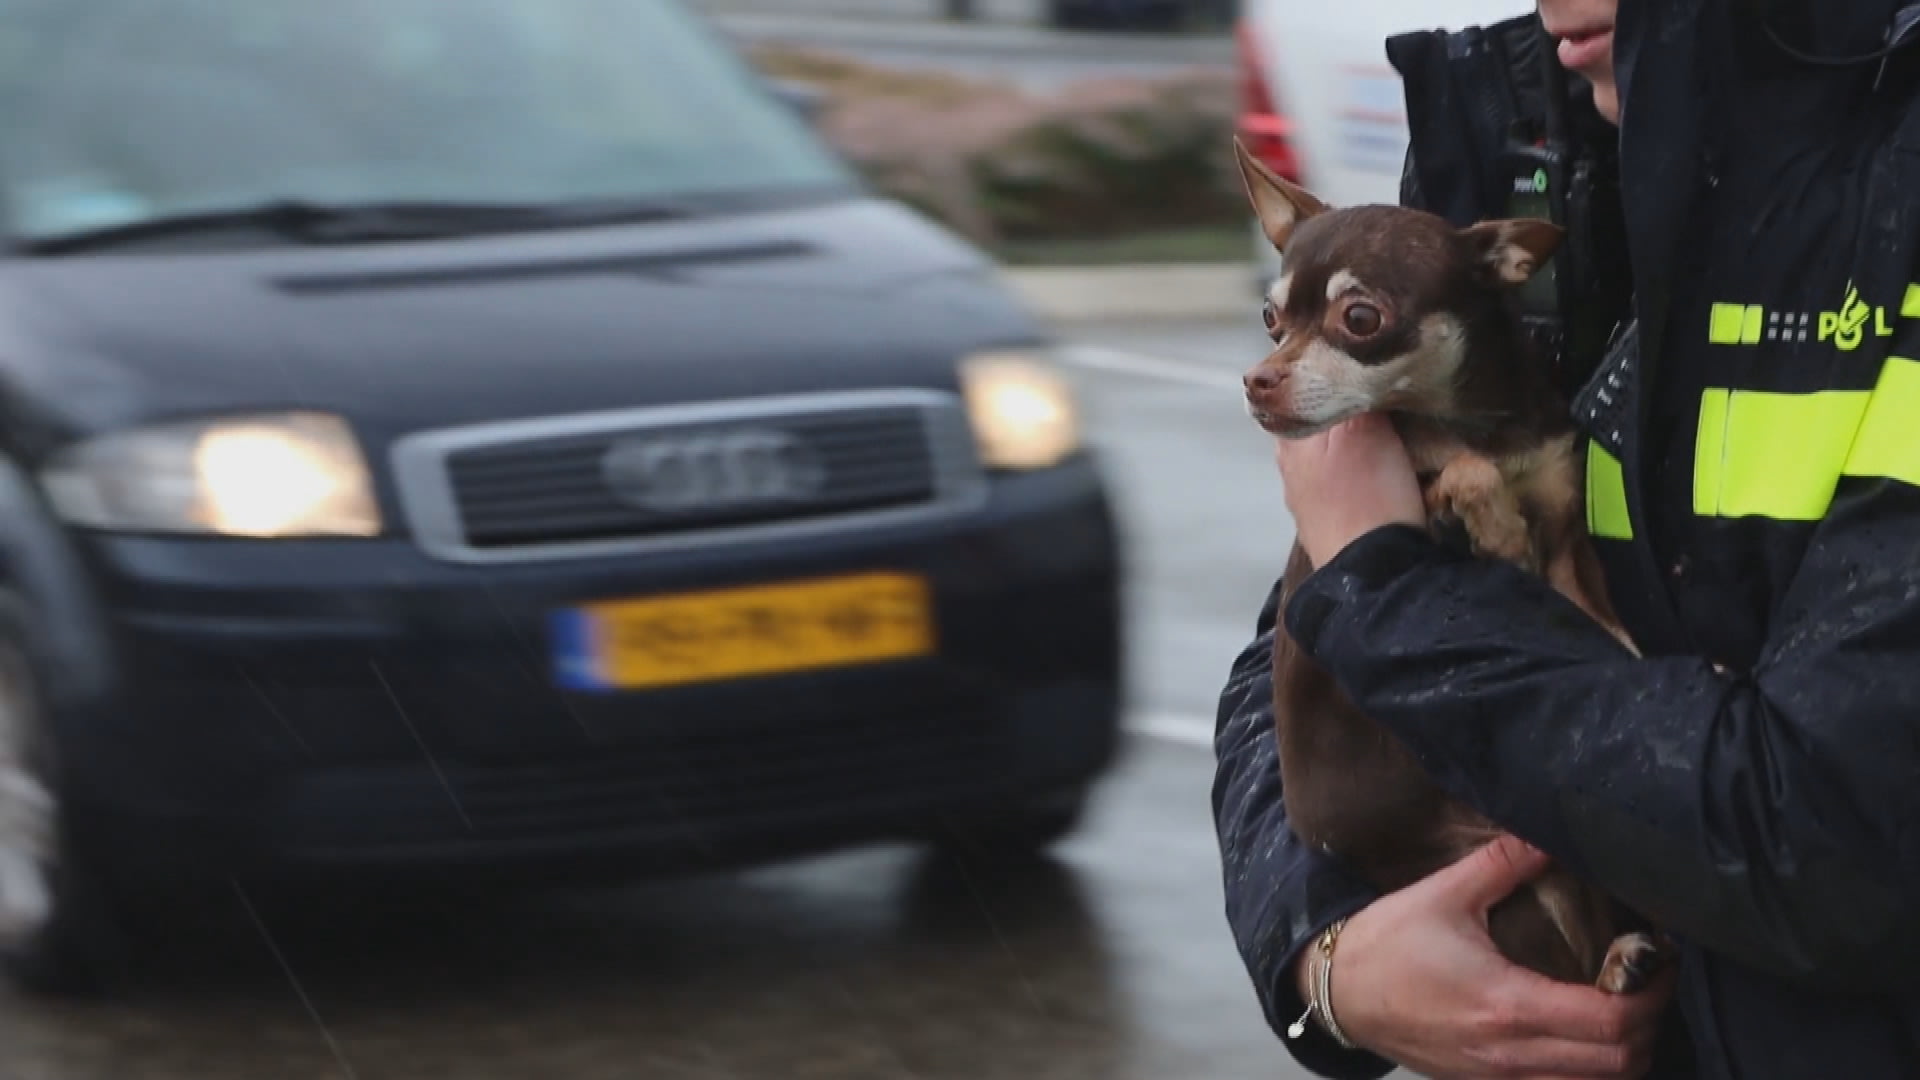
[(323, 223)]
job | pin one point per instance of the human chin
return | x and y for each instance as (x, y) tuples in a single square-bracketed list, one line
[(1606, 101)]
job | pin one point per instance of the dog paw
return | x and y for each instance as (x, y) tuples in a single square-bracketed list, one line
[(1503, 536), (1472, 488), (1633, 961), (1507, 546)]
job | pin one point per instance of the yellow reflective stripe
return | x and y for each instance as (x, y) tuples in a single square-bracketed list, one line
[(1607, 514), (1709, 450), (1781, 456), (1888, 441), (1762, 454), (1736, 324)]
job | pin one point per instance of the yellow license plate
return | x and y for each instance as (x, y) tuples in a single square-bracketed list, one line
[(743, 632)]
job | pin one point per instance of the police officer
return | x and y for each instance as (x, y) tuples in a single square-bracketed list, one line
[(1753, 783)]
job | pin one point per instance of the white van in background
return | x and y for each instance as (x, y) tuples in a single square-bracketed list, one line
[(1319, 103)]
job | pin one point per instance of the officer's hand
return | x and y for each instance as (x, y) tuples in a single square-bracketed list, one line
[(1417, 981), (1344, 483)]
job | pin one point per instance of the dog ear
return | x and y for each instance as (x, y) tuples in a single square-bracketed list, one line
[(1279, 205), (1515, 249)]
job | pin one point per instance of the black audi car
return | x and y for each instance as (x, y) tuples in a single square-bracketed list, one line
[(500, 436)]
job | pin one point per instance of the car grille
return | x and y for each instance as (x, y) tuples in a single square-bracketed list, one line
[(560, 489), (649, 477)]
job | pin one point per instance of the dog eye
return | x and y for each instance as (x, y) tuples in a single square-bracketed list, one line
[(1270, 316), (1362, 320)]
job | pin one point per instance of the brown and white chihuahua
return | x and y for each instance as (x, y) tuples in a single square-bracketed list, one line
[(1388, 309)]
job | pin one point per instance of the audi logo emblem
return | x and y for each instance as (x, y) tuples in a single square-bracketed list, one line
[(713, 471)]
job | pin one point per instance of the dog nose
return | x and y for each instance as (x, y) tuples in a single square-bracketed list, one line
[(1264, 381)]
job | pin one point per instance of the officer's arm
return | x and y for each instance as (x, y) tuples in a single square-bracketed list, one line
[(1770, 815), (1279, 893)]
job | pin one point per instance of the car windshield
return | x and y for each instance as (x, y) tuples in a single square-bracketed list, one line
[(115, 112)]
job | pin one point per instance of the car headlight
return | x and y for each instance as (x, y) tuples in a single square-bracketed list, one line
[(1022, 409), (277, 475)]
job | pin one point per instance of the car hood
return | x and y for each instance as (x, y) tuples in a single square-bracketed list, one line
[(401, 337)]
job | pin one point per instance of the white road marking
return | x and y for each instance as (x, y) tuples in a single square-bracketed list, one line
[(1101, 358), (1182, 728), (1187, 729)]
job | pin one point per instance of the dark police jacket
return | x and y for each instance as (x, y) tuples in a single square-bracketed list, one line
[(1753, 783)]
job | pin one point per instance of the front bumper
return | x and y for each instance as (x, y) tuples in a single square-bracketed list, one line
[(310, 704)]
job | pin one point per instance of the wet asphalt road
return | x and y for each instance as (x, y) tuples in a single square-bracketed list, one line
[(1109, 961), (1206, 528)]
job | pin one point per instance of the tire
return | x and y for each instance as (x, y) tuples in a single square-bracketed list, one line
[(77, 953), (1015, 836), (1068, 14), (1089, 15), (73, 950), (1164, 17)]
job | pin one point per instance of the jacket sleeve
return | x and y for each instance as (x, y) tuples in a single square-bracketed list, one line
[(1771, 815), (1279, 893)]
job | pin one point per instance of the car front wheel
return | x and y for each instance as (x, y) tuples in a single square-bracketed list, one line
[(56, 926), (1016, 834), (1068, 14), (1086, 14)]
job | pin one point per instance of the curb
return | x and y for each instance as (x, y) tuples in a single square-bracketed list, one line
[(1173, 291)]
